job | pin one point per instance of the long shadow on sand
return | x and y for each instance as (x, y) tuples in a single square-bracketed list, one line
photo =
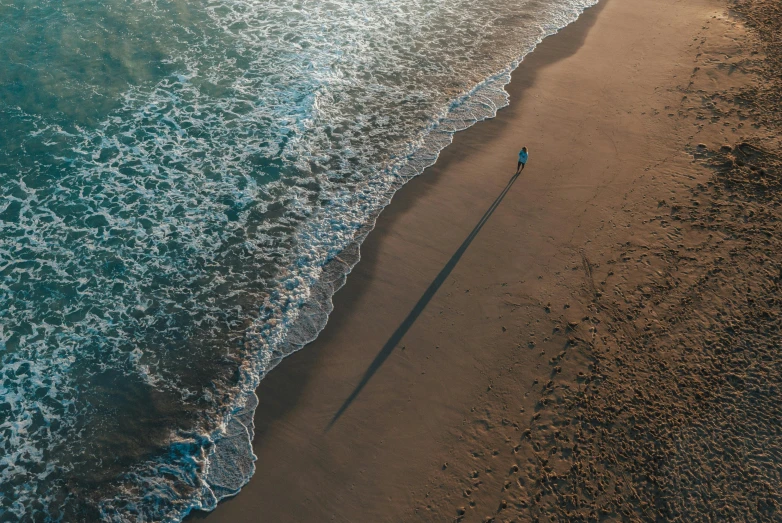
[(408, 322)]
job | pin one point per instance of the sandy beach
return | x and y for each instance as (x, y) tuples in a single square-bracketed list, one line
[(597, 338)]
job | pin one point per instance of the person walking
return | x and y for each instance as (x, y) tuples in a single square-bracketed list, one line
[(523, 155)]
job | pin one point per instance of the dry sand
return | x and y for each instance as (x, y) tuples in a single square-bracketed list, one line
[(600, 339)]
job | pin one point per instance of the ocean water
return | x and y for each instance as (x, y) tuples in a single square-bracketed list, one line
[(184, 185)]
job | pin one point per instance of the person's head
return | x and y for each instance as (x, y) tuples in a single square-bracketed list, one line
[(524, 149)]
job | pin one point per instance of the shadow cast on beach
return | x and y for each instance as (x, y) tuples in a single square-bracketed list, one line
[(523, 78), (419, 307)]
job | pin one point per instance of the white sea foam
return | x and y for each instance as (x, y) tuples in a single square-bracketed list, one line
[(135, 250)]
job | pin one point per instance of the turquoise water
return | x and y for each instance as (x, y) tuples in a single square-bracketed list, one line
[(184, 186)]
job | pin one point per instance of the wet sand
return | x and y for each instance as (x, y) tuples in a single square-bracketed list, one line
[(578, 342)]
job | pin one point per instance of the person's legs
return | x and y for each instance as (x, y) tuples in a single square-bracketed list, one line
[(519, 167), (522, 166)]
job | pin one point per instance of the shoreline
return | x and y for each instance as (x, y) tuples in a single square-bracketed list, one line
[(482, 102), (476, 298), (280, 391), (358, 244)]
